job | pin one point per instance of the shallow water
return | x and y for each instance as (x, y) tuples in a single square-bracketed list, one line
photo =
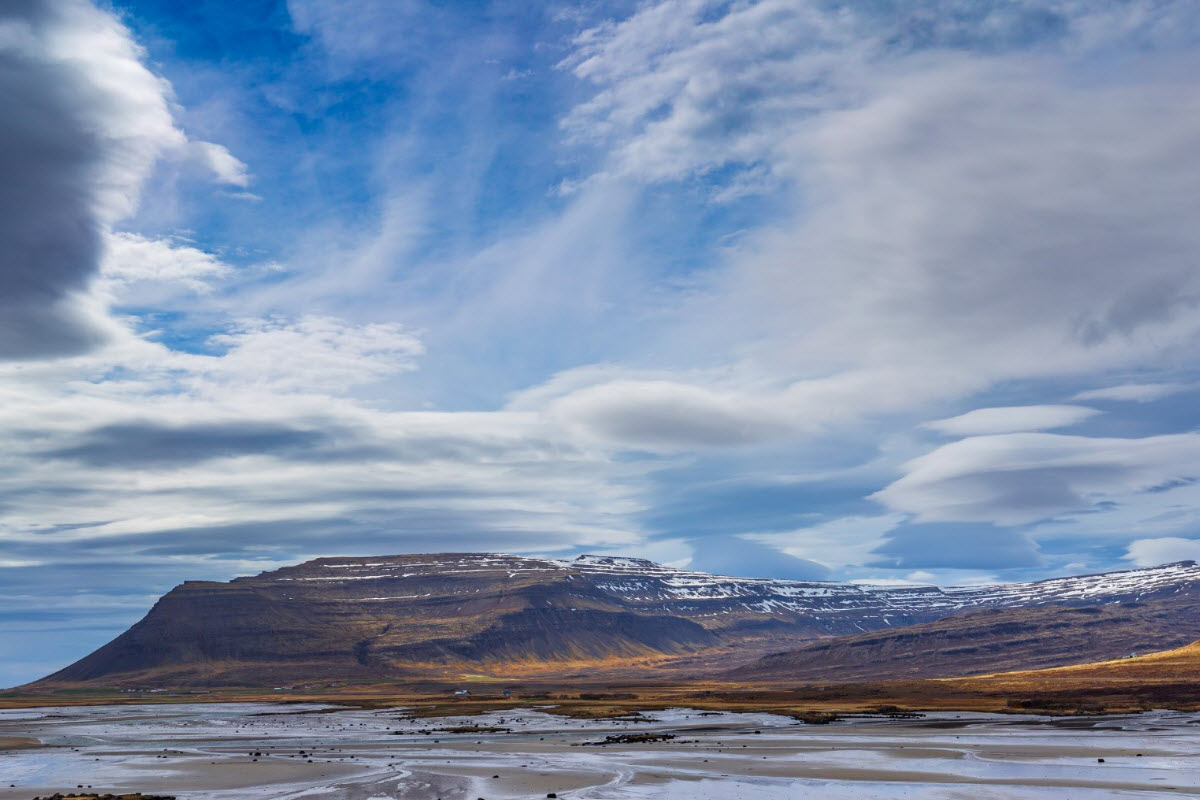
[(204, 752)]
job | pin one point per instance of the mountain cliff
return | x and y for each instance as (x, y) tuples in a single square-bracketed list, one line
[(446, 615)]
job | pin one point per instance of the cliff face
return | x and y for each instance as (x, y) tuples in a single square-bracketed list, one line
[(433, 616)]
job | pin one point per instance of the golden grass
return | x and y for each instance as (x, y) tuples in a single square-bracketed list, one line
[(1166, 679)]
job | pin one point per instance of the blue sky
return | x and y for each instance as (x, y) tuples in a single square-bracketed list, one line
[(865, 291)]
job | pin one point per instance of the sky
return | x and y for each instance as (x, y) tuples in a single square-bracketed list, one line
[(873, 291)]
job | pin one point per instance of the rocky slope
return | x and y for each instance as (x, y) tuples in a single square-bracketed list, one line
[(1165, 679), (987, 640), (445, 615)]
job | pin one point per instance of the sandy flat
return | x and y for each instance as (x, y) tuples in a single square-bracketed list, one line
[(243, 752)]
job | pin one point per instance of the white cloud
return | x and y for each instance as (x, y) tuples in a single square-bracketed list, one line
[(948, 220), (1152, 552), (960, 220), (125, 105), (263, 448), (689, 86), (368, 35), (953, 227), (317, 354), (1019, 478), (960, 217), (652, 415), (224, 166), (679, 94), (130, 258), (945, 221), (1133, 392), (1011, 419), (93, 123), (697, 410), (837, 543)]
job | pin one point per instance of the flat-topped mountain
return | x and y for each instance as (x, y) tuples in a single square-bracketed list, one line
[(448, 615)]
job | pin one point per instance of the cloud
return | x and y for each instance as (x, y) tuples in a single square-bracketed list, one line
[(368, 36), (1151, 552), (835, 543), (1133, 392), (1020, 478), (700, 410), (149, 445), (950, 184), (795, 229), (93, 122), (955, 546), (651, 415), (312, 353), (746, 558), (1011, 419), (130, 259), (919, 161), (258, 448), (687, 87), (223, 165), (960, 188)]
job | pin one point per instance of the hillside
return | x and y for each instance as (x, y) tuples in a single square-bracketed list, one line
[(1180, 665), (448, 615), (987, 640)]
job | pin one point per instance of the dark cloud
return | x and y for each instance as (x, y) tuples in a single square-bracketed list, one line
[(49, 231), (954, 546), (150, 444)]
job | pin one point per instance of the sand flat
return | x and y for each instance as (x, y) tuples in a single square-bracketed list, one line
[(250, 751)]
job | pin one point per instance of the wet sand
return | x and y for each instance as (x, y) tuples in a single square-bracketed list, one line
[(246, 751)]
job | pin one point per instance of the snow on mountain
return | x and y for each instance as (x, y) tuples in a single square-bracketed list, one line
[(637, 579), (643, 583)]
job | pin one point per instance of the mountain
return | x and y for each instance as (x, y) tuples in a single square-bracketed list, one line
[(449, 615), (986, 641)]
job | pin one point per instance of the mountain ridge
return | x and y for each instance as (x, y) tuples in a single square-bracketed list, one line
[(440, 615)]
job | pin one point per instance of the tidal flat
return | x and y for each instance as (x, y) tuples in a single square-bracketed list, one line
[(248, 751)]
